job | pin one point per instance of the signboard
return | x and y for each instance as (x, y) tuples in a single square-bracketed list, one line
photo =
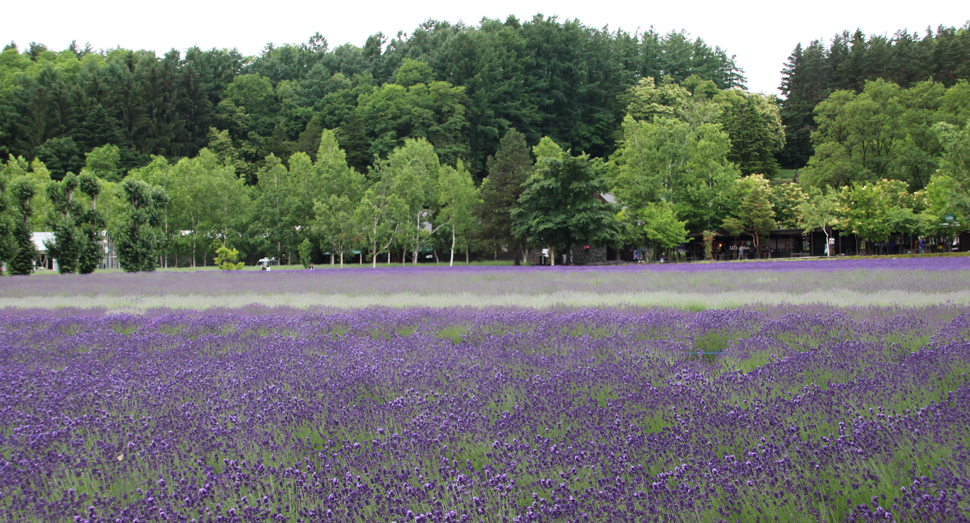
[(950, 217)]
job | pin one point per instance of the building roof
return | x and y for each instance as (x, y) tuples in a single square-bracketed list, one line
[(39, 239)]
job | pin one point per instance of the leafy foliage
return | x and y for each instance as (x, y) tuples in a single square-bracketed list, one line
[(508, 169), (757, 217), (226, 258), (558, 206), (137, 239), (22, 261)]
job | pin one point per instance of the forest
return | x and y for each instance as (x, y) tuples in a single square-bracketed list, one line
[(484, 138)]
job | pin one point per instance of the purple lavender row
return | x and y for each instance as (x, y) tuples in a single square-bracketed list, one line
[(800, 413)]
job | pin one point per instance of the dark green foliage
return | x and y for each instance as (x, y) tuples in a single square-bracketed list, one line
[(559, 206), (309, 140), (306, 249), (852, 59), (60, 156), (543, 76), (355, 143), (7, 246), (98, 129), (66, 244), (77, 230), (757, 217), (22, 261), (753, 142), (42, 108), (508, 170), (137, 238), (91, 227)]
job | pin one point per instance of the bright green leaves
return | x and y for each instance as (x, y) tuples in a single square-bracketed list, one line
[(559, 206)]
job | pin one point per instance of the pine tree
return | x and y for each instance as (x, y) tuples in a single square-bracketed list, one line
[(508, 169), (97, 130), (354, 142)]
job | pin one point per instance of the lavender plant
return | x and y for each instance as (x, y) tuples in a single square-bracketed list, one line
[(884, 282), (793, 413)]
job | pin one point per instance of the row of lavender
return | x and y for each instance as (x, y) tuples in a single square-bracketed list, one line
[(924, 275), (799, 413)]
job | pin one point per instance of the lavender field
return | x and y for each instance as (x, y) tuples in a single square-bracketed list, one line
[(484, 413), (911, 282)]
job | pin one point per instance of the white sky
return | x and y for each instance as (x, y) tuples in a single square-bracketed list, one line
[(761, 33)]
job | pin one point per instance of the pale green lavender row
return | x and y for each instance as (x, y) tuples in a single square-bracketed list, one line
[(557, 299), (906, 282)]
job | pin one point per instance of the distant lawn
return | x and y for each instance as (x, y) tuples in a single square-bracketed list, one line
[(299, 267), (784, 175)]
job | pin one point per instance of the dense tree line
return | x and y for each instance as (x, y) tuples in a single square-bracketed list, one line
[(887, 160), (491, 138), (850, 60), (459, 87)]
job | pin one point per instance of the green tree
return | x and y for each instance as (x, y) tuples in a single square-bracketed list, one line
[(337, 201), (819, 211), (60, 156), (415, 170), (65, 247), (413, 72), (945, 195), (866, 211), (858, 136), (226, 258), (7, 245), (435, 112), (508, 169), (646, 101), (269, 212), (661, 226), (91, 225), (753, 123), (559, 206), (22, 261), (956, 151), (670, 160), (99, 129), (206, 198), (177, 234), (105, 163), (137, 238), (917, 155), (756, 218), (458, 200), (306, 250), (785, 198), (381, 213)]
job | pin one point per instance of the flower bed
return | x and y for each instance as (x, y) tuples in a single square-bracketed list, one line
[(259, 414)]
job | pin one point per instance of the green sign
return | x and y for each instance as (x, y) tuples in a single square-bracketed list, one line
[(950, 217)]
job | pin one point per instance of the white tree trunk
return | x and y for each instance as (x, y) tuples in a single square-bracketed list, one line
[(452, 262)]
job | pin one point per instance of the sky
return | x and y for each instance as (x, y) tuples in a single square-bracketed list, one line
[(761, 34)]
